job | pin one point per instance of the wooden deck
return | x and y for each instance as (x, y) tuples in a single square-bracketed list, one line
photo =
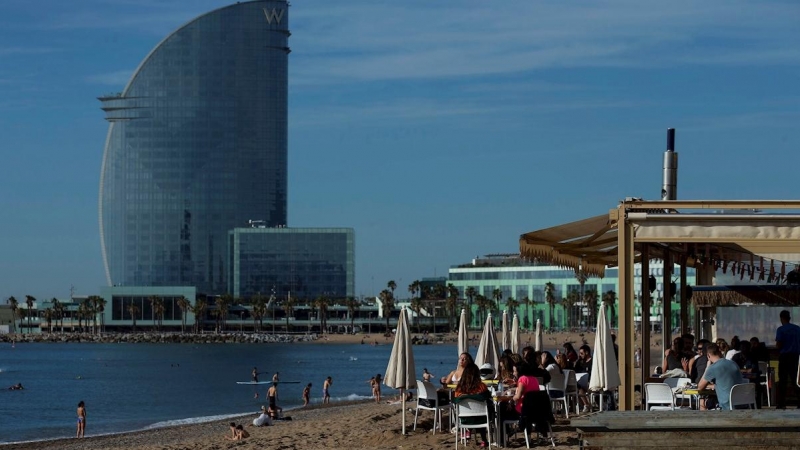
[(684, 429)]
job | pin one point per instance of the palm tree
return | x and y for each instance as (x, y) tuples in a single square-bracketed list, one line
[(550, 299), (134, 310), (470, 292), (416, 305), (439, 294), (153, 299), (569, 303), (451, 305), (288, 309), (223, 302), (527, 302), (259, 303), (48, 316), (512, 305), (387, 302), (590, 298), (392, 286), (29, 299), (21, 317), (86, 311), (352, 306), (321, 303), (101, 308), (481, 303), (497, 295), (199, 311), (184, 305), (610, 300), (158, 310), (14, 304), (58, 312), (94, 302)]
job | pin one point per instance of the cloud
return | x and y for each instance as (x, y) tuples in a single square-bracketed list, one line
[(341, 42), (118, 78)]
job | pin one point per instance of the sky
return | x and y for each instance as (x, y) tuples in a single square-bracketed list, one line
[(439, 131)]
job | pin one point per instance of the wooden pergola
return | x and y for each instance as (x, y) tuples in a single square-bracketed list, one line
[(756, 238)]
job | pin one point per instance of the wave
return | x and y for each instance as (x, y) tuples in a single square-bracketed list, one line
[(194, 420)]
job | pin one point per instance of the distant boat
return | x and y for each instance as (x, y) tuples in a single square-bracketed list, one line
[(267, 382)]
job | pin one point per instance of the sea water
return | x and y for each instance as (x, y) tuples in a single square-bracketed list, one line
[(129, 387)]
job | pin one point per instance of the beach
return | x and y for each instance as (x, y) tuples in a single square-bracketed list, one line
[(342, 424), (362, 425)]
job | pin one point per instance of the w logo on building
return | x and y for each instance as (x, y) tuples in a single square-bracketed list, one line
[(275, 15)]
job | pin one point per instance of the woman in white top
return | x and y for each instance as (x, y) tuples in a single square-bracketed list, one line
[(550, 364), (453, 377)]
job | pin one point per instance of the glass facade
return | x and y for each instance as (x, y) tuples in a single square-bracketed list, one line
[(519, 281), (303, 263), (196, 146)]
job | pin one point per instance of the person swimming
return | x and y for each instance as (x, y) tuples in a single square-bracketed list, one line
[(16, 387)]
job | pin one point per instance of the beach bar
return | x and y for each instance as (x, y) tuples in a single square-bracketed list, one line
[(758, 237)]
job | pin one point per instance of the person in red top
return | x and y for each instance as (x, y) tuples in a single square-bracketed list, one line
[(526, 382)]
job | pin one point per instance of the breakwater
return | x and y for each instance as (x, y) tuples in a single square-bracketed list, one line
[(156, 337)]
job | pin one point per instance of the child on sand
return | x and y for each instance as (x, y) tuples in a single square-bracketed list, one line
[(81, 419), (237, 433)]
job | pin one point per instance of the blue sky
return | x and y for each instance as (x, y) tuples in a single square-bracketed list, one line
[(438, 130)]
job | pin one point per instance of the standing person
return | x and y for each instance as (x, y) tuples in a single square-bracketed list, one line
[(376, 389), (255, 375), (426, 376), (272, 395), (326, 394), (276, 378), (788, 342), (81, 420), (306, 394)]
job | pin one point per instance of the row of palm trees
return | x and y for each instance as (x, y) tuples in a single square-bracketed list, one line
[(423, 298), (87, 311)]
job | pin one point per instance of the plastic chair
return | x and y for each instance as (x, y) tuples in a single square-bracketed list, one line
[(766, 380), (743, 395), (473, 408), (535, 410), (558, 391), (427, 396), (572, 387), (659, 397), (677, 383)]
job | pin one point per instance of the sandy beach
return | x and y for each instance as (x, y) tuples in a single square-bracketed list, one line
[(363, 424)]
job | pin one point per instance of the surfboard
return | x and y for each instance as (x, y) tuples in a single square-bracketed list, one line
[(267, 382)]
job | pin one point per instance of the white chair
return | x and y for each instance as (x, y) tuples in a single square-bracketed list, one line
[(428, 399), (766, 380), (743, 395), (472, 408), (572, 388), (558, 391), (659, 396), (676, 384)]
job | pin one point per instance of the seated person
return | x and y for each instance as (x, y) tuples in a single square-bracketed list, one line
[(526, 382), (238, 433), (723, 373), (263, 419), (453, 377), (471, 386)]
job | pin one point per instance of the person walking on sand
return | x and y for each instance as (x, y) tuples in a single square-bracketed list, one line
[(326, 394), (81, 420), (272, 395), (306, 395)]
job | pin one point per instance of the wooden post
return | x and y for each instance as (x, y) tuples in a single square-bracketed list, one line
[(626, 302)]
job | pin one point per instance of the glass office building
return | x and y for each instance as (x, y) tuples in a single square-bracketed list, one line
[(517, 279), (303, 263), (196, 146)]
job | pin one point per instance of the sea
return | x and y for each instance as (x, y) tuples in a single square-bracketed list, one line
[(129, 387)]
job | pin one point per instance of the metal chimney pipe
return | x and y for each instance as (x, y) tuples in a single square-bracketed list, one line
[(669, 188)]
